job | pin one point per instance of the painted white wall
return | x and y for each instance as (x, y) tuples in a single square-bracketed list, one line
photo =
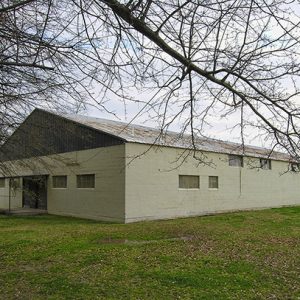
[(147, 188), (15, 195), (152, 185), (104, 202)]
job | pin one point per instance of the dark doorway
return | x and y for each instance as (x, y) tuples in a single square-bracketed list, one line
[(35, 192)]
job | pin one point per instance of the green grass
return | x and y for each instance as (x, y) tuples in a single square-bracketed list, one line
[(248, 255)]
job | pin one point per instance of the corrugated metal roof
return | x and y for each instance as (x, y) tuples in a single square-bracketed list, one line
[(147, 135)]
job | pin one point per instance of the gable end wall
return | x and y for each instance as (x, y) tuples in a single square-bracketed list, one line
[(44, 133)]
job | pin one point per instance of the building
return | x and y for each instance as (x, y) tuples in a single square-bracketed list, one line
[(106, 170)]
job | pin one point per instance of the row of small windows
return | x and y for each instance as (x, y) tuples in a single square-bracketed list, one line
[(185, 181), (82, 181), (14, 182), (266, 164), (61, 181), (237, 161), (193, 182)]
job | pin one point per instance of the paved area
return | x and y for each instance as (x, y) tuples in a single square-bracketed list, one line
[(24, 212)]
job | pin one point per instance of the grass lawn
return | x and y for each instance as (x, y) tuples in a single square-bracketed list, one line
[(248, 255)]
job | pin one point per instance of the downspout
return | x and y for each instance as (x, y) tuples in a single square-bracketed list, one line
[(240, 181), (9, 195)]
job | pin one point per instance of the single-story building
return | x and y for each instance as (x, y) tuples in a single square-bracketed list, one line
[(106, 170)]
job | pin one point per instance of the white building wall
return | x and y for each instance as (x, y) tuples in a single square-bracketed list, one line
[(152, 185), (12, 198), (104, 202), (147, 188)]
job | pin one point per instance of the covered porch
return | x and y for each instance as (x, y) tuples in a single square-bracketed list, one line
[(24, 195)]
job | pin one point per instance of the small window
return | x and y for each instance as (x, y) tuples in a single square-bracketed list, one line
[(213, 182), (295, 167), (189, 182), (265, 164), (235, 161), (86, 181), (59, 182), (14, 183), (2, 182)]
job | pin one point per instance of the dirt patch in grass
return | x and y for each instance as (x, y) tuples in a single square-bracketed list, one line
[(110, 240)]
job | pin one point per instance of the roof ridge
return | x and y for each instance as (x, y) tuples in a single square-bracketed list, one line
[(186, 135), (142, 134)]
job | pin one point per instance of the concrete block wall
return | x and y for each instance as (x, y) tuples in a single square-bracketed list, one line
[(104, 202), (15, 195), (152, 190), (147, 187)]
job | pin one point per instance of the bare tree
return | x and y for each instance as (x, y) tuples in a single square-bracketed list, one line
[(198, 60)]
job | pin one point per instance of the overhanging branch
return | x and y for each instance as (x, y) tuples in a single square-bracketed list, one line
[(16, 5), (7, 63)]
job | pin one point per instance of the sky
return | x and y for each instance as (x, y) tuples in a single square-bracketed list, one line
[(221, 126)]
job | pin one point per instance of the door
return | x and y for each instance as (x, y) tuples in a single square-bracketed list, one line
[(35, 192)]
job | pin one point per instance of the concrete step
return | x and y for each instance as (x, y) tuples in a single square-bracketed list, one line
[(25, 212)]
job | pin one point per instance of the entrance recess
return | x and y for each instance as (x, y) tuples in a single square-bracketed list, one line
[(35, 192)]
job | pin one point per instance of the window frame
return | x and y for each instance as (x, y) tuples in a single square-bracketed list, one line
[(295, 167), (15, 182), (4, 182), (85, 188), (268, 164), (188, 188), (232, 157), (59, 188), (213, 188)]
